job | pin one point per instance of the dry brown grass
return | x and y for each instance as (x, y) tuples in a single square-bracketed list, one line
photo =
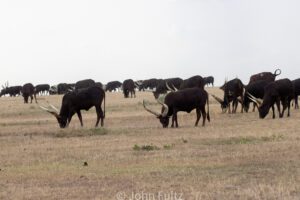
[(234, 157)]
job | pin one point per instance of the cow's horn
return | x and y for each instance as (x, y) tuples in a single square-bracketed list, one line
[(56, 109), (174, 88), (254, 99), (169, 88), (166, 110), (49, 111), (217, 98), (149, 110)]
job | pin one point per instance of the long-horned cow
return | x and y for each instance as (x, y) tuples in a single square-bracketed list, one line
[(182, 100), (74, 101), (266, 76), (275, 92), (233, 92)]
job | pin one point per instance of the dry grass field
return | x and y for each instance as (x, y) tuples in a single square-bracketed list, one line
[(235, 156)]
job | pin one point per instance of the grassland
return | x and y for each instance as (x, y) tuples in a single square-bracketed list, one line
[(235, 156)]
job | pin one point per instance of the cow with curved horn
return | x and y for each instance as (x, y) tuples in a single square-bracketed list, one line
[(182, 100), (266, 76), (73, 102), (280, 91)]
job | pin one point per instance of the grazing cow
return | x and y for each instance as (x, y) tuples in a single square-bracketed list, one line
[(209, 80), (28, 91), (267, 76), (11, 91), (296, 87), (113, 86), (233, 90), (63, 88), (148, 84), (128, 87), (162, 86), (275, 92), (257, 89), (84, 84), (194, 81), (42, 88), (73, 102), (182, 100)]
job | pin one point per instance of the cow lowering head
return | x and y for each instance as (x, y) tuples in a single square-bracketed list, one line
[(163, 116), (61, 119), (263, 107), (224, 103)]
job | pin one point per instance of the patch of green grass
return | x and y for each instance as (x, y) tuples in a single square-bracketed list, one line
[(242, 140), (169, 146)]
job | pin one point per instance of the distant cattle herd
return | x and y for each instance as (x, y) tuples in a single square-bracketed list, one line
[(174, 94)]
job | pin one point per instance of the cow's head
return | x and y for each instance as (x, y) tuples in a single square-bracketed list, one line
[(62, 120), (224, 103), (163, 116), (263, 106)]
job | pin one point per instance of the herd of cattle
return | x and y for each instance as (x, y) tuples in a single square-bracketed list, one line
[(174, 94)]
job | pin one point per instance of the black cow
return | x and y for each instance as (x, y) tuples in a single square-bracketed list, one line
[(82, 99), (63, 88), (276, 92), (84, 84), (209, 80), (11, 91), (182, 100), (163, 84), (28, 91), (257, 89), (296, 87), (148, 84), (267, 76), (113, 86), (99, 84), (42, 89), (128, 87), (194, 81), (233, 92)]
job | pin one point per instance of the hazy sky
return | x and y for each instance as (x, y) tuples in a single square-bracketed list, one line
[(68, 40)]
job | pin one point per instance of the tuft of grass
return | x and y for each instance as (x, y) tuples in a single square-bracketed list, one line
[(169, 146), (184, 140), (145, 147), (243, 140)]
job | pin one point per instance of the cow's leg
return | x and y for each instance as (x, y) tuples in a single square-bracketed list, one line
[(284, 103), (288, 107), (80, 117), (296, 102), (198, 112), (176, 122), (242, 103), (278, 107), (273, 111), (100, 115), (254, 105), (203, 115)]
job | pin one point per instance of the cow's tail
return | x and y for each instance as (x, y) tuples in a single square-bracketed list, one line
[(207, 102), (103, 105), (279, 72)]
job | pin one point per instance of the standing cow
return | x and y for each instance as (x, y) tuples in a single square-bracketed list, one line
[(84, 84), (209, 80), (28, 91), (267, 76), (296, 87), (42, 89), (128, 87)]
